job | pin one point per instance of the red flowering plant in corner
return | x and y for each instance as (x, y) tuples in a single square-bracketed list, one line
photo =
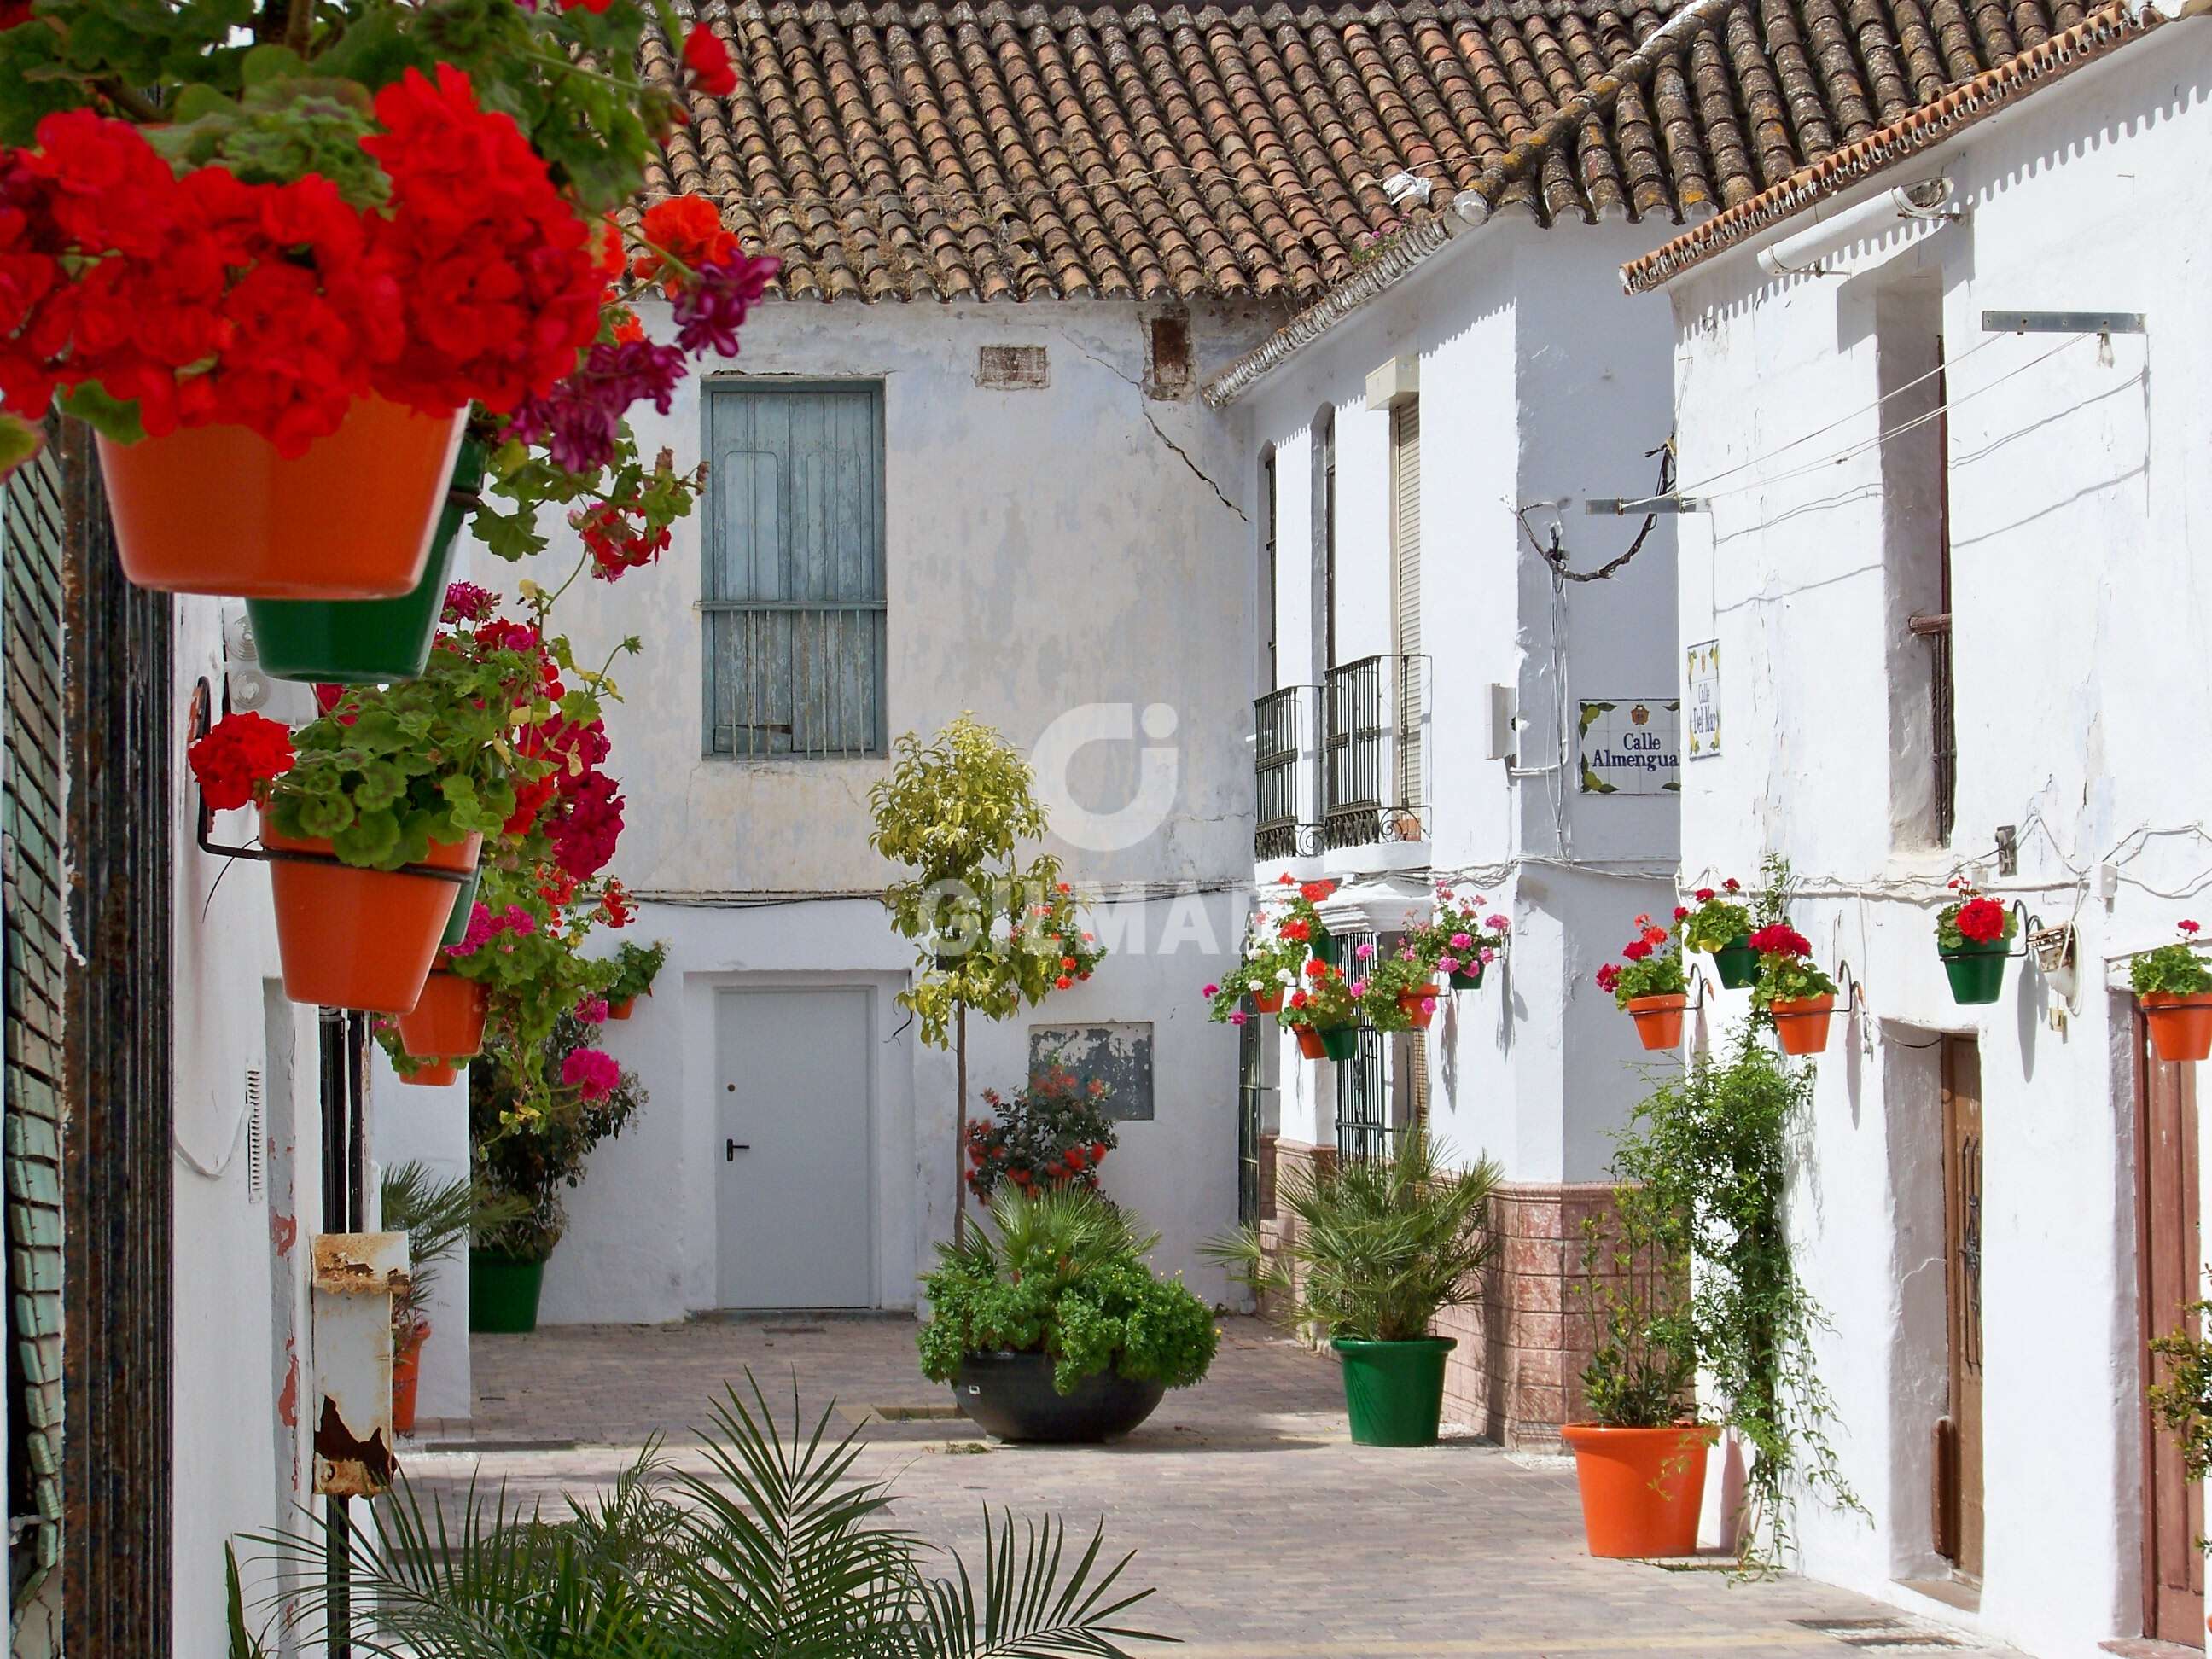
[(1054, 1132), (1650, 966), (374, 199), (1972, 921)]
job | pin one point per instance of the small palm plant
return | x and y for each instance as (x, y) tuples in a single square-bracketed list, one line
[(1381, 1245), (776, 1551)]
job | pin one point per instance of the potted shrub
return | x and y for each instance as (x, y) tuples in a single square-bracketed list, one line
[(1324, 1013), (530, 1153), (636, 966), (1649, 983), (334, 288), (436, 1216), (1381, 1248), (1400, 990), (1049, 1327), (1457, 938), (1719, 924), (1792, 988), (1053, 1133), (1640, 1455), (2174, 987), (1972, 935)]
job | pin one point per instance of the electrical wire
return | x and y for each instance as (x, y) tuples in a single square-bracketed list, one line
[(232, 1143)]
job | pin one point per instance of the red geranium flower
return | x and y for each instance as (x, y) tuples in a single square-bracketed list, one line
[(1608, 976), (708, 60), (1705, 896), (238, 759), (1637, 950), (1781, 940), (1982, 919)]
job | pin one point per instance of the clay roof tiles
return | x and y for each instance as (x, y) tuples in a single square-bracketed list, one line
[(919, 150)]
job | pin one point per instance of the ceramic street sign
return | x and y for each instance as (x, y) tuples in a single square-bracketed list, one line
[(1632, 746)]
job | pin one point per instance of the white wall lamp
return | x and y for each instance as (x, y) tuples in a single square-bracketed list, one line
[(1812, 251)]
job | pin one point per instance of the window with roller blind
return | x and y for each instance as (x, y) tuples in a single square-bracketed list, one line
[(1406, 589), (793, 596)]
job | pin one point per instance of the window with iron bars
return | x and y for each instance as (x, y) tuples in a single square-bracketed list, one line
[(1373, 711), (1362, 1083), (1279, 725)]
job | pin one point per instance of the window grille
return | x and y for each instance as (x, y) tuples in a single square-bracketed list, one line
[(1250, 1091), (794, 585), (1279, 777), (1362, 1083), (1367, 797)]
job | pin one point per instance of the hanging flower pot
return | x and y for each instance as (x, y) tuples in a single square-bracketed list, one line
[(1801, 1023), (368, 641), (215, 510), (1659, 1019), (432, 1074), (1310, 1042), (1976, 971), (352, 938), (1269, 1002), (2180, 1026), (1468, 979), (623, 1009), (1340, 1042), (448, 1021), (465, 901), (1737, 964), (1420, 1005)]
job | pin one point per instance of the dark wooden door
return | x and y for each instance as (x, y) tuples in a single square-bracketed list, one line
[(1959, 1441), (2169, 1259)]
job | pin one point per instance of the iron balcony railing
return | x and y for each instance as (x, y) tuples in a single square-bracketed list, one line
[(794, 680), (1283, 762), (1375, 724)]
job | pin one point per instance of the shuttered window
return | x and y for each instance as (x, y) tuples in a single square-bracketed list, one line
[(794, 592), (1406, 588)]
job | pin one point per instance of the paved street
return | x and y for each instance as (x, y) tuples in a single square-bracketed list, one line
[(1266, 1533)]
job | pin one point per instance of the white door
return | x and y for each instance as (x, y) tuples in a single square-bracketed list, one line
[(794, 1149)]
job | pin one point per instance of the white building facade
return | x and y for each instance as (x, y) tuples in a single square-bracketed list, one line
[(1945, 544)]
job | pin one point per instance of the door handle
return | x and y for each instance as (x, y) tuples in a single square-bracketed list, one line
[(732, 1148)]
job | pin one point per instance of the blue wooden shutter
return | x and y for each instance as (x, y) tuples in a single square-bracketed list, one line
[(795, 581)]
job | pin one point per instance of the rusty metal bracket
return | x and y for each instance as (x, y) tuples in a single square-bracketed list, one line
[(203, 826), (355, 1275)]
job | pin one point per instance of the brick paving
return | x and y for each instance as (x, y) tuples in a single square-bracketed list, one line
[(1266, 1533)]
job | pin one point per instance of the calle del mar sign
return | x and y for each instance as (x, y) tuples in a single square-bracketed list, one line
[(1632, 746)]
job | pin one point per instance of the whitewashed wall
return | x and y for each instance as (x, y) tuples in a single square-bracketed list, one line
[(1046, 550), (2076, 486), (1537, 382), (240, 1267)]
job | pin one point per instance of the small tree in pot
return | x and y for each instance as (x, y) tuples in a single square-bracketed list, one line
[(1381, 1248)]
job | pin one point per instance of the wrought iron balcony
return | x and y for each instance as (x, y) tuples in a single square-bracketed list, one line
[(1375, 720), (1284, 772)]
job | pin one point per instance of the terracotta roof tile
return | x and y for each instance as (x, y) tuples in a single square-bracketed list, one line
[(917, 149)]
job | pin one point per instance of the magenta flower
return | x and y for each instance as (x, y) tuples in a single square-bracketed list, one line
[(1364, 951), (593, 1011), (1238, 1018), (1497, 924), (1211, 991), (466, 602), (592, 1073), (707, 313), (1358, 988), (1489, 955), (1449, 964), (1461, 941), (1428, 1004)]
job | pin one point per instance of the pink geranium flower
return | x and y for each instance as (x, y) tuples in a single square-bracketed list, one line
[(592, 1073)]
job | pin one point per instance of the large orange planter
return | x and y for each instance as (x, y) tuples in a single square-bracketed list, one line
[(1659, 1019), (1642, 1488), (359, 938), (215, 510), (1310, 1042), (2180, 1026), (1801, 1022), (447, 1022), (1420, 1005)]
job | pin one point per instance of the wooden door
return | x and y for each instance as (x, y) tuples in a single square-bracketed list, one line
[(2169, 1258), (1959, 1440)]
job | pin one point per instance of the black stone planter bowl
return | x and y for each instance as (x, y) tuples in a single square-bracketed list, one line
[(1010, 1396)]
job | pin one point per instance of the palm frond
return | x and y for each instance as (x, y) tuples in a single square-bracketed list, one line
[(1027, 1608)]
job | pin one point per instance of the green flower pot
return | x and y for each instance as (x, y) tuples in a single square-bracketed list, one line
[(1737, 964), (368, 641), (1976, 971), (1395, 1391), (1340, 1042), (503, 1292), (465, 901), (1468, 979), (1326, 946)]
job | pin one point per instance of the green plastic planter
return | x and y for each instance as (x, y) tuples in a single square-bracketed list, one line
[(464, 901), (1468, 979), (1976, 971), (1340, 1042), (1395, 1391), (368, 641), (1326, 946), (503, 1292), (1737, 964)]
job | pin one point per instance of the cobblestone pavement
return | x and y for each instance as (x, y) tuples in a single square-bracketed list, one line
[(1269, 1534)]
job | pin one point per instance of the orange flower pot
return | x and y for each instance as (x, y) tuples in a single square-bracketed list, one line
[(447, 1022), (1642, 1488), (1801, 1022), (622, 1010), (1309, 1043), (2180, 1026), (1411, 1004), (1659, 1019), (407, 1377), (215, 510), (434, 1074), (359, 938), (1267, 1002)]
